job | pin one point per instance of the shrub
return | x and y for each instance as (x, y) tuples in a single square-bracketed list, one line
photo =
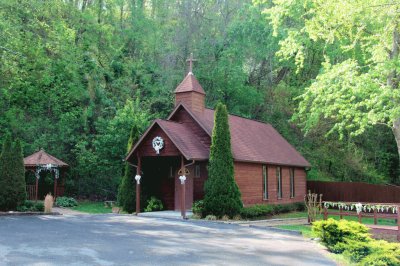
[(38, 207), (12, 176), (31, 206), (352, 239), (333, 232), (299, 206), (154, 204), (256, 211), (260, 210), (211, 217), (126, 197), (355, 250), (66, 202), (198, 208), (222, 195), (380, 259)]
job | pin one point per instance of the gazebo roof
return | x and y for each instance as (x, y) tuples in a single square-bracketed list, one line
[(42, 158)]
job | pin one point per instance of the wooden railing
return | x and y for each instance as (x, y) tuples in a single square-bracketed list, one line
[(31, 191), (375, 214)]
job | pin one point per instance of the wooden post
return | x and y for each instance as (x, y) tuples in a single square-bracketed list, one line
[(325, 213), (55, 188), (138, 172), (375, 217), (340, 213), (359, 217), (398, 222), (36, 188), (183, 191)]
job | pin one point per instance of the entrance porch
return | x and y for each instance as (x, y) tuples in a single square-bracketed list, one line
[(160, 178)]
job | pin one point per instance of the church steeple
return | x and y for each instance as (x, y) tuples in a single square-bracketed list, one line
[(190, 92)]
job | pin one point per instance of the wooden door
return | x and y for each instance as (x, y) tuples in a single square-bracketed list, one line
[(188, 192)]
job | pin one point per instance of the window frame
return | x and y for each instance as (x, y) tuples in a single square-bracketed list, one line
[(197, 171), (292, 183), (265, 182), (279, 182)]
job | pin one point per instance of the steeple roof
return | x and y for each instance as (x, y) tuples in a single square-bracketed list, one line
[(190, 84)]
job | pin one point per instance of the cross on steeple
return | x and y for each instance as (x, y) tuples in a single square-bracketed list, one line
[(191, 60)]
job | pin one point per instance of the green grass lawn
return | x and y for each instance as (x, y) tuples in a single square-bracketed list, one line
[(304, 229), (92, 207), (365, 220)]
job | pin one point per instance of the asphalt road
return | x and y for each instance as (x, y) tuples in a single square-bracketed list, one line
[(128, 240)]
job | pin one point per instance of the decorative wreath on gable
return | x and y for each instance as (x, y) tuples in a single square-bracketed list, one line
[(158, 144)]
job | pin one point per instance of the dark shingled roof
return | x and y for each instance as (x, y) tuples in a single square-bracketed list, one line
[(42, 158), (190, 83), (254, 141), (184, 139)]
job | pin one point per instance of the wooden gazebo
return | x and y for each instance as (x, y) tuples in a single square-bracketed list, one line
[(42, 161)]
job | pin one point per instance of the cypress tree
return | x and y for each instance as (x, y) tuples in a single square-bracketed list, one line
[(222, 195), (19, 184), (5, 173), (12, 176), (127, 189)]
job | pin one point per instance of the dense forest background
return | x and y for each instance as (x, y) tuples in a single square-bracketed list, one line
[(75, 75)]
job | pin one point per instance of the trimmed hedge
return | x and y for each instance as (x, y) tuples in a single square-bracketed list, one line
[(260, 210)]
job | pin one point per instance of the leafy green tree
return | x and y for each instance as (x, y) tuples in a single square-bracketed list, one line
[(12, 176), (127, 188), (358, 86), (222, 195)]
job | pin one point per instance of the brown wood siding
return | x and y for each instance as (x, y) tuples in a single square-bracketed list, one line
[(183, 116), (146, 147), (195, 101), (249, 178), (198, 182)]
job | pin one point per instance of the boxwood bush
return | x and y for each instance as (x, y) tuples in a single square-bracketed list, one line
[(66, 202), (154, 204), (31, 206), (261, 210), (354, 242)]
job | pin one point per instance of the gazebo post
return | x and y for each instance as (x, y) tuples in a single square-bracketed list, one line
[(36, 188), (55, 187)]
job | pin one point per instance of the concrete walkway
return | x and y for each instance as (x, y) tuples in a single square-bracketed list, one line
[(128, 240), (67, 211), (165, 214)]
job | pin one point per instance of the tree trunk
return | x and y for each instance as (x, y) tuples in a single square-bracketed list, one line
[(393, 82), (396, 133)]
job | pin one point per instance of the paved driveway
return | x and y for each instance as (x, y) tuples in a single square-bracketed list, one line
[(129, 240)]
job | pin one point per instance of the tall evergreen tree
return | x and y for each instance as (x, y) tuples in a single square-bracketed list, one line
[(222, 195), (19, 184), (12, 176), (5, 173), (127, 189)]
